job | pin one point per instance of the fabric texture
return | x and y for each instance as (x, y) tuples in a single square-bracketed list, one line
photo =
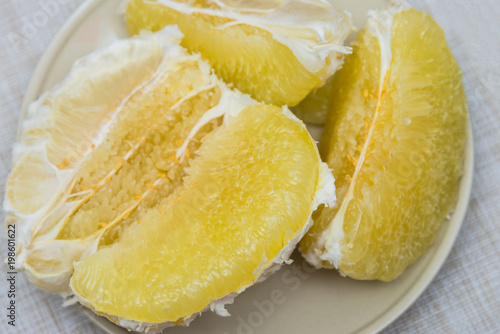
[(465, 295)]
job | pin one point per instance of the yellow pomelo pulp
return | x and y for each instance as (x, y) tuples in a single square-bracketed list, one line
[(273, 50), (395, 142), (100, 148), (248, 195)]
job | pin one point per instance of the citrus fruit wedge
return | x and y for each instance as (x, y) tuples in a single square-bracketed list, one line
[(276, 51), (395, 141), (245, 203), (101, 147)]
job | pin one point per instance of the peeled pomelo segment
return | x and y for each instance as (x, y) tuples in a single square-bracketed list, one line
[(395, 142), (30, 178), (247, 199), (128, 168), (273, 50), (50, 265)]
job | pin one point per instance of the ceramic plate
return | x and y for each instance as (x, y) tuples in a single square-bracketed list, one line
[(309, 301)]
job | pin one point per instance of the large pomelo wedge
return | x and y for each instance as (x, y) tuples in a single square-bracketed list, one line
[(395, 141), (100, 148), (245, 203), (276, 51)]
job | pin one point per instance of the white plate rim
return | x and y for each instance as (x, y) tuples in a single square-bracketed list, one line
[(425, 278)]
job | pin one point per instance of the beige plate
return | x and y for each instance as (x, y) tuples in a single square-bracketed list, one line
[(318, 302)]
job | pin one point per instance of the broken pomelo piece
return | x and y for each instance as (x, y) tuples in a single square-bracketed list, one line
[(395, 141), (100, 148), (276, 51), (245, 203)]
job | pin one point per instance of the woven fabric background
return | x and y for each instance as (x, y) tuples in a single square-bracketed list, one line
[(463, 298)]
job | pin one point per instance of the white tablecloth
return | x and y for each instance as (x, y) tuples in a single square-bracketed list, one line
[(463, 298)]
